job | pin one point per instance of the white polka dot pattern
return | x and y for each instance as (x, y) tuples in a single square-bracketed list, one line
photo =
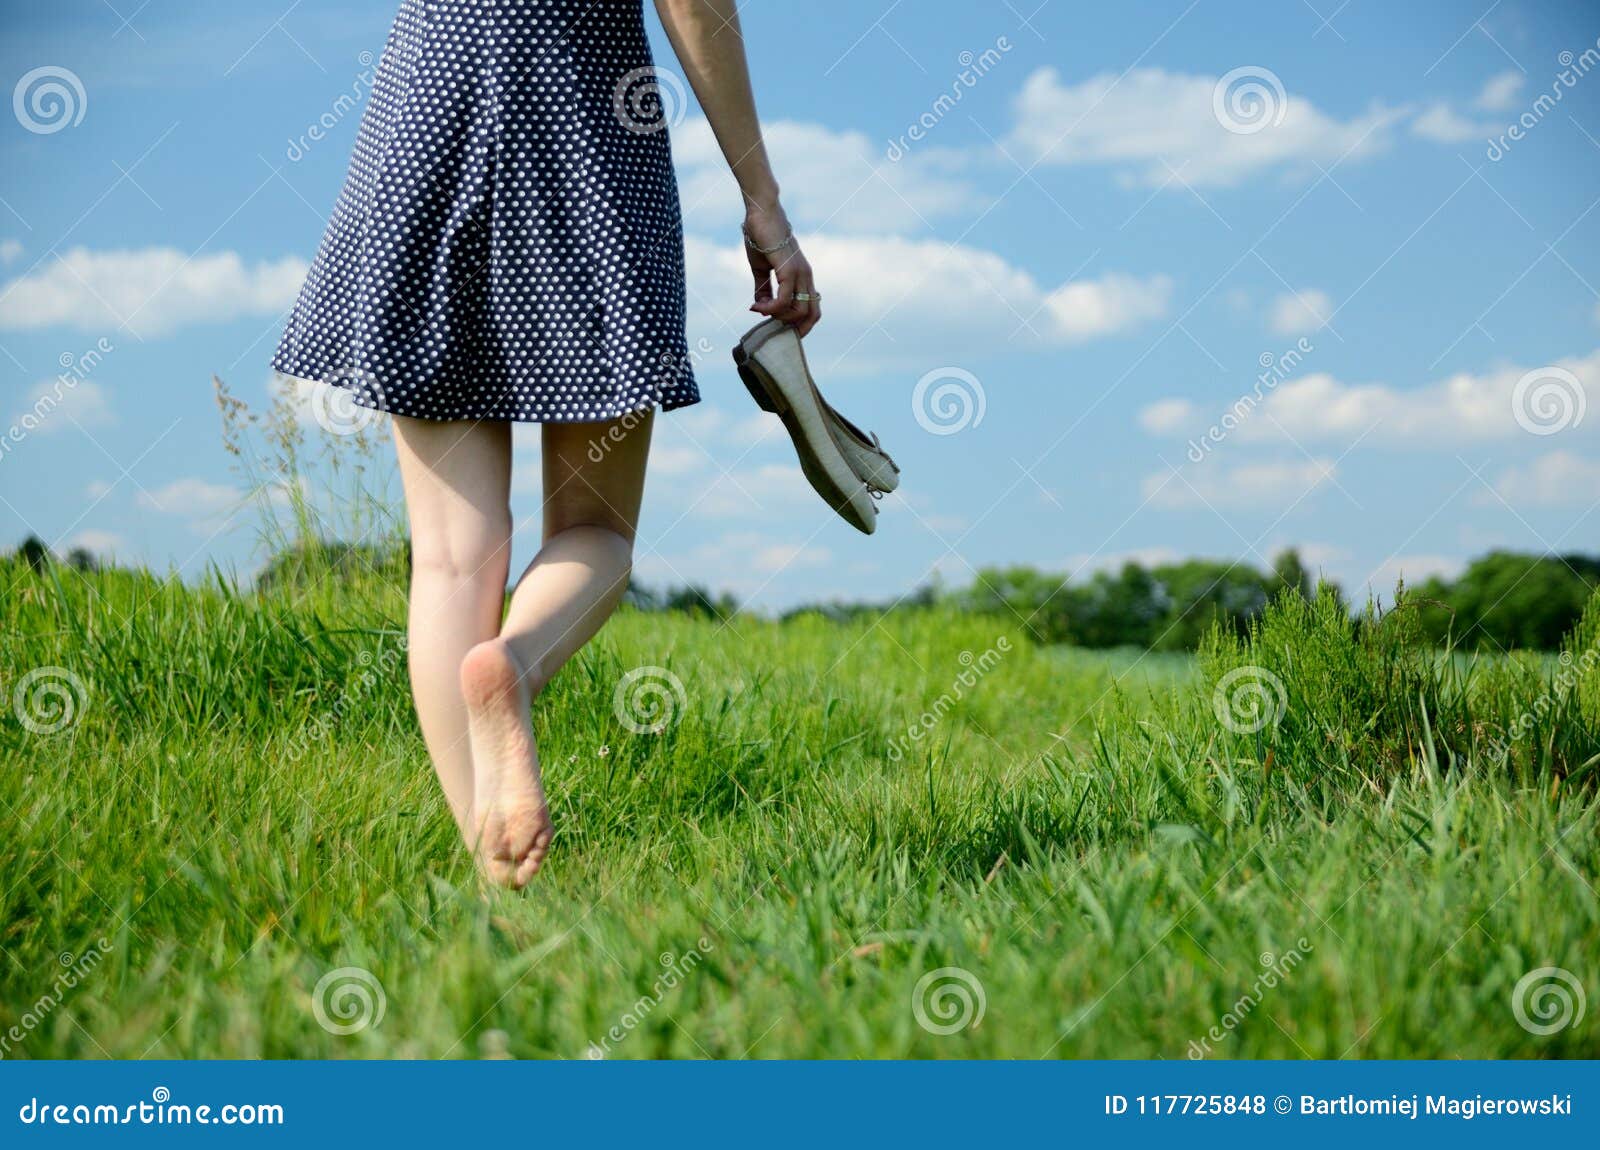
[(505, 247)]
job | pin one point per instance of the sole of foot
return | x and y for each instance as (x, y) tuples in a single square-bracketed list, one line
[(510, 817)]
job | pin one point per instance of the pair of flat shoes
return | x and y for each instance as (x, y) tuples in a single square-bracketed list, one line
[(848, 467)]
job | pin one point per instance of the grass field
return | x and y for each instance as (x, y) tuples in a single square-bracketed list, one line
[(219, 836)]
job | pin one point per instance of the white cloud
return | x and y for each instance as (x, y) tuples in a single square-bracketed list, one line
[(1086, 309), (190, 497), (1165, 416), (1295, 313), (1463, 408), (706, 425), (1084, 564), (743, 562), (101, 543), (895, 302), (59, 404), (1501, 91), (152, 290), (1442, 123), (849, 184), (1414, 569), (753, 492), (666, 459), (1151, 123), (1316, 556), (1557, 479), (780, 556), (1238, 301), (707, 438), (10, 251), (1247, 485)]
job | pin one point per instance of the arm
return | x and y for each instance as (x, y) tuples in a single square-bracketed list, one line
[(706, 36)]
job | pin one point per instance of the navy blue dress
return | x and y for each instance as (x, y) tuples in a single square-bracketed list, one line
[(508, 244)]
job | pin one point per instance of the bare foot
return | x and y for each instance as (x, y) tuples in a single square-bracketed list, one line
[(509, 816)]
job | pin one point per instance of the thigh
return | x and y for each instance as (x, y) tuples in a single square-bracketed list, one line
[(594, 473), (457, 478)]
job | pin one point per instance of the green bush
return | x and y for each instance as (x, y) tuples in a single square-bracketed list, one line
[(1505, 601)]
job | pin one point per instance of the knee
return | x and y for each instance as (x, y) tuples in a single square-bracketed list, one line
[(615, 545), (472, 557)]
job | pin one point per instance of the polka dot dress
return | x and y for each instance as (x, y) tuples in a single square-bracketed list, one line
[(508, 244)]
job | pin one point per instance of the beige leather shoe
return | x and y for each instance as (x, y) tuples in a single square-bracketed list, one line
[(864, 453), (773, 366)]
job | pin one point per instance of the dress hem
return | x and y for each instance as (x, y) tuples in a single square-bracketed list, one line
[(668, 401)]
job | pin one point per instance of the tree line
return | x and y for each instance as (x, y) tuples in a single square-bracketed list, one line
[(1500, 601)]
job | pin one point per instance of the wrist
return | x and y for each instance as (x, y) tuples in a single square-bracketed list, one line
[(762, 199)]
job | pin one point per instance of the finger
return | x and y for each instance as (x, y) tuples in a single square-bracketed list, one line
[(800, 309), (781, 304), (810, 309), (763, 290), (814, 318)]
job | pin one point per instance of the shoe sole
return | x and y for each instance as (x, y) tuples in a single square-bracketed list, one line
[(769, 397)]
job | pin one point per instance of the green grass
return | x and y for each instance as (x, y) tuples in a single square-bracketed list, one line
[(241, 804)]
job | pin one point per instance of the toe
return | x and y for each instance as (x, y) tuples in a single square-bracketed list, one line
[(522, 833), (534, 859), (501, 872)]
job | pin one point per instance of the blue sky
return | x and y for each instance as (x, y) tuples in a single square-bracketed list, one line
[(1042, 303)]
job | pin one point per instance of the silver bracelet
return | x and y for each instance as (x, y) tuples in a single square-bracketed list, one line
[(755, 247)]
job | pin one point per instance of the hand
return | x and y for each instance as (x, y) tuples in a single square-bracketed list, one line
[(767, 227)]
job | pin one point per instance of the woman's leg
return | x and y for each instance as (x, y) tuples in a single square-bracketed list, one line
[(593, 483), (457, 480)]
